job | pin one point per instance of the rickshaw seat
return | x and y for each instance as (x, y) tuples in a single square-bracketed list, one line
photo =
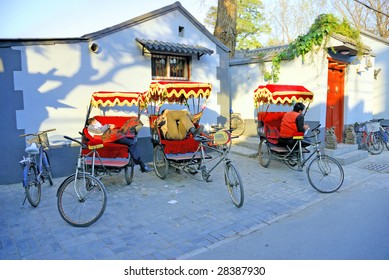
[(110, 149), (272, 124), (187, 145)]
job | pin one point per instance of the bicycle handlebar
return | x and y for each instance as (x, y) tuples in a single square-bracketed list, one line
[(37, 133), (74, 140)]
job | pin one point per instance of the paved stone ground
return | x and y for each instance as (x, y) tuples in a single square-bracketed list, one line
[(154, 219)]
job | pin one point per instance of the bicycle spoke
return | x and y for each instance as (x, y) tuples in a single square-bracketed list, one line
[(325, 174)]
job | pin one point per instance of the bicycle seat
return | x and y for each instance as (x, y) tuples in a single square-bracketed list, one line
[(32, 149)]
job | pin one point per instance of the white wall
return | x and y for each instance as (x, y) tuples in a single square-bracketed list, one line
[(380, 100), (57, 80)]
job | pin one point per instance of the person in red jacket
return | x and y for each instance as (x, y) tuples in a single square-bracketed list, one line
[(293, 122)]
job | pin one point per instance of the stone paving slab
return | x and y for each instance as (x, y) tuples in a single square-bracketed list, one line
[(154, 219)]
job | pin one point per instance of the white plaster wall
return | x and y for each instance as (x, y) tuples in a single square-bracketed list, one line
[(358, 92), (380, 100), (58, 80)]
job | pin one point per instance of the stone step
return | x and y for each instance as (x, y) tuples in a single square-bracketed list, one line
[(243, 151), (351, 157), (342, 149), (247, 142)]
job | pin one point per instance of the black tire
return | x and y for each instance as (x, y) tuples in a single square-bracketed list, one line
[(374, 143), (33, 188), (237, 126), (234, 184), (264, 153), (325, 174), (86, 208), (46, 168), (161, 163), (129, 171)]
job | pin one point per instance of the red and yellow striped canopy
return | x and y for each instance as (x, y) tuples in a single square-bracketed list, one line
[(281, 94), (111, 98), (177, 91)]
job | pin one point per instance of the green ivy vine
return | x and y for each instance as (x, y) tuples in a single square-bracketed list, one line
[(320, 31)]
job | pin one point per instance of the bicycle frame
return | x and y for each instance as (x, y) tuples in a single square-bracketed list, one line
[(299, 148), (221, 150), (82, 165)]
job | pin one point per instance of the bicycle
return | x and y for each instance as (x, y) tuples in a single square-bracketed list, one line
[(371, 139), (236, 125), (383, 132), (82, 197), (36, 166), (325, 174), (199, 160)]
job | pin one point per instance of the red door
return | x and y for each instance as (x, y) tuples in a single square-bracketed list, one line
[(335, 97)]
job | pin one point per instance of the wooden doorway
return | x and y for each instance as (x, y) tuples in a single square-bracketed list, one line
[(335, 97)]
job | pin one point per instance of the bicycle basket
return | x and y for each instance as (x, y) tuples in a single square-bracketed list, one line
[(359, 127), (222, 137), (41, 139), (372, 127)]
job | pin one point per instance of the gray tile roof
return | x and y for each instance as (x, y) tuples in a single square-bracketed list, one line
[(265, 53), (154, 45)]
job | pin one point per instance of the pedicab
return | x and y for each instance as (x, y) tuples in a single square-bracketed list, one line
[(193, 153), (325, 174), (104, 107)]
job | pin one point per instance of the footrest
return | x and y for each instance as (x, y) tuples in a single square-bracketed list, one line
[(186, 156), (108, 162)]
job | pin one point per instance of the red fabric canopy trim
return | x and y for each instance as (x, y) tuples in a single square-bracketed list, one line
[(108, 98), (281, 94), (172, 92)]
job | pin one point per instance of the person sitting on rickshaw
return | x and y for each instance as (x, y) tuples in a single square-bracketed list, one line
[(177, 124), (293, 122), (123, 135)]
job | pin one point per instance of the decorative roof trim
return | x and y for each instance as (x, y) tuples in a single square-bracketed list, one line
[(154, 46)]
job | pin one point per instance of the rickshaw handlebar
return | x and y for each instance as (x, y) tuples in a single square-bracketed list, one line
[(74, 140)]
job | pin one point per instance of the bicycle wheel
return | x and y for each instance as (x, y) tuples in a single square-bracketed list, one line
[(325, 174), (385, 136), (81, 201), (234, 184), (46, 168), (129, 171), (237, 126), (374, 143), (31, 186), (264, 153), (161, 163)]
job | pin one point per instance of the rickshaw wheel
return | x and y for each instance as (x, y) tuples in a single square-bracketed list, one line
[(161, 164), (264, 153), (129, 171)]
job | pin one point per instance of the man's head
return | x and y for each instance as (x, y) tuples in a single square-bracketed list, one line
[(298, 107), (91, 121)]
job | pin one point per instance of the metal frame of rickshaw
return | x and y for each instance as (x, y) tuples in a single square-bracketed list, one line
[(325, 174), (110, 157), (194, 153)]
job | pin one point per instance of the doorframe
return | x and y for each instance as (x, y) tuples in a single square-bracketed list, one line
[(337, 66)]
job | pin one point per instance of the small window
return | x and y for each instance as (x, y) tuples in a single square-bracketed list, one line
[(181, 31), (170, 67)]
